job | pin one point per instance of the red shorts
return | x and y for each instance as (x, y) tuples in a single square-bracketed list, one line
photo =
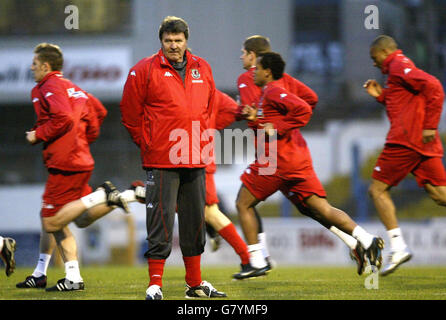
[(296, 190), (211, 190), (63, 187), (396, 162)]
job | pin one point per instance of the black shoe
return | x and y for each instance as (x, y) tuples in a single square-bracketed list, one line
[(140, 190), (249, 271), (270, 264), (204, 290), (374, 252), (33, 282), (358, 255), (66, 285), (114, 196), (7, 255)]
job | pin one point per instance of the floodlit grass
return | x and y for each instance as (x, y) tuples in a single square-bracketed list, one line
[(283, 283)]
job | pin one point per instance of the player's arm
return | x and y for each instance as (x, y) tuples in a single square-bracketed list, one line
[(298, 112), (304, 92), (60, 115), (248, 93), (132, 102), (375, 90), (95, 117), (226, 110)]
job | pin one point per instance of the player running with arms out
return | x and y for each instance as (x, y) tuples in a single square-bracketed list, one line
[(413, 101), (165, 94), (279, 111), (250, 94), (68, 120)]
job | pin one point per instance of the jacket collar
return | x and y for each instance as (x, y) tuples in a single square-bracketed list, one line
[(49, 75), (386, 62)]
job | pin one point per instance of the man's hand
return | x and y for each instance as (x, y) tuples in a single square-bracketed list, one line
[(250, 112), (269, 128), (428, 135), (31, 137), (373, 88)]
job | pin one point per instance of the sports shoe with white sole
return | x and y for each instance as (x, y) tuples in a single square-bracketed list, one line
[(374, 252), (396, 259), (114, 196), (247, 271), (154, 292), (140, 190), (358, 255), (7, 255), (33, 282), (66, 285), (204, 290)]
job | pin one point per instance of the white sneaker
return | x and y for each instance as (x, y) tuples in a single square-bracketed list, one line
[(154, 292), (395, 260)]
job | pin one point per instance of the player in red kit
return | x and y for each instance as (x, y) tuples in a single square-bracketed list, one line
[(250, 94), (289, 166), (414, 101)]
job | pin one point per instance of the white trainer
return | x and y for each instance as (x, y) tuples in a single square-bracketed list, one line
[(154, 292), (396, 259)]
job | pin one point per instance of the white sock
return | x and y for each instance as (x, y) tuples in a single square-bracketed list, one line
[(72, 271), (362, 236), (256, 257), (1, 243), (262, 241), (128, 195), (396, 240), (95, 198), (42, 265), (348, 239)]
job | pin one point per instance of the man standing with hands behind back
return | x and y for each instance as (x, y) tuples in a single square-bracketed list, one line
[(172, 92), (414, 101)]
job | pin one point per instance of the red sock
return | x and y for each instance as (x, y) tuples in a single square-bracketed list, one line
[(229, 233), (193, 270), (156, 269)]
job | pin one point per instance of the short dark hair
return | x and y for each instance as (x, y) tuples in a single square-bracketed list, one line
[(274, 62), (384, 42), (51, 53), (172, 24), (257, 44)]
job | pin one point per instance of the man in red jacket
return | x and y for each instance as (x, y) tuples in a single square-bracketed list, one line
[(250, 94), (165, 107), (414, 101), (279, 112), (68, 120)]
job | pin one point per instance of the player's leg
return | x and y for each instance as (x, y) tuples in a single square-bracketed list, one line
[(323, 210), (191, 222), (7, 249), (67, 246), (38, 279), (161, 199)]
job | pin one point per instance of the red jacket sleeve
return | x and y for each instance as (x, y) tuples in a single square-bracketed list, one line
[(249, 93), (60, 112), (132, 103), (298, 112), (97, 114), (430, 87), (302, 91), (225, 111)]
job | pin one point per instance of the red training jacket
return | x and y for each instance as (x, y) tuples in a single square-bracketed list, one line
[(286, 112), (223, 114), (67, 122), (414, 101), (158, 110)]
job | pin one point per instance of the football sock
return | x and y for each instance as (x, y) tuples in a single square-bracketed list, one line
[(256, 257), (128, 195), (348, 239), (229, 233), (362, 236), (396, 240), (193, 270), (72, 271), (262, 241), (156, 270), (94, 198), (42, 265), (1, 243)]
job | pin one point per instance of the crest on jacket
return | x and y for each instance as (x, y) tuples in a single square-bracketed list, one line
[(195, 74)]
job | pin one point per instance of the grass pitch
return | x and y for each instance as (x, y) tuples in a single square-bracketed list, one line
[(283, 283)]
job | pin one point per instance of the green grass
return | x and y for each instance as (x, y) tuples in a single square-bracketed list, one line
[(283, 283)]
